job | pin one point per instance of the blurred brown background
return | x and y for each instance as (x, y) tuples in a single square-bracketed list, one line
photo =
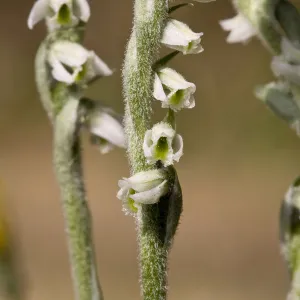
[(239, 160)]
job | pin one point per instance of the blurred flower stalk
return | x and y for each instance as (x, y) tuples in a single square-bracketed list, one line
[(277, 24), (153, 194), (64, 70)]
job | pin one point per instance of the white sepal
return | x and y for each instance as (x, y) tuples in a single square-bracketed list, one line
[(71, 63), (161, 143), (142, 188), (38, 12), (179, 91), (179, 36), (104, 124), (241, 30)]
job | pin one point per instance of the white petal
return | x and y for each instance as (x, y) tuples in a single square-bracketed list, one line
[(177, 147), (99, 66), (70, 54), (123, 192), (288, 71), (148, 143), (151, 196), (60, 73), (174, 80), (241, 30), (37, 13), (107, 127), (82, 9), (158, 92), (289, 51), (105, 147), (172, 36)]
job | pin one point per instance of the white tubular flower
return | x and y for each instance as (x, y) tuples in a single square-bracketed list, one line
[(71, 63), (241, 30), (106, 129), (179, 91), (179, 36), (142, 188), (162, 143), (288, 64), (59, 13)]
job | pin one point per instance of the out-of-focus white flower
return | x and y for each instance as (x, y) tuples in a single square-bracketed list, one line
[(173, 90), (287, 64), (72, 63), (142, 188), (106, 129), (241, 30), (179, 36), (162, 143), (59, 13)]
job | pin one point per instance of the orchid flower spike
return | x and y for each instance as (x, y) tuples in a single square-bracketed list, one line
[(241, 30), (71, 63), (161, 143), (106, 129), (179, 91), (59, 13), (287, 65), (179, 36), (142, 188)]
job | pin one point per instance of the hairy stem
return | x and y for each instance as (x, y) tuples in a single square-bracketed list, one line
[(67, 161), (61, 103), (149, 18)]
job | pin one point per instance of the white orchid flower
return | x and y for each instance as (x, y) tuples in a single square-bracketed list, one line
[(162, 143), (142, 188), (106, 129), (241, 30), (71, 63), (173, 90), (287, 65), (59, 13), (179, 36)]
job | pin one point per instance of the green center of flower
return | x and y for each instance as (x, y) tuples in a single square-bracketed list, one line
[(177, 97), (64, 15), (161, 148), (82, 73), (131, 203)]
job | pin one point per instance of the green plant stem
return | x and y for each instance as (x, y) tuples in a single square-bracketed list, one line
[(61, 103), (67, 161), (142, 51)]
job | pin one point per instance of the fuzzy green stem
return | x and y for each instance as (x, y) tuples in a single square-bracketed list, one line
[(142, 51), (61, 103), (67, 161)]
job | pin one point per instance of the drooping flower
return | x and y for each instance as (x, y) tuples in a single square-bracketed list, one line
[(161, 143), (173, 90), (142, 188), (241, 30), (287, 65), (71, 63), (106, 129), (59, 13), (179, 36)]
